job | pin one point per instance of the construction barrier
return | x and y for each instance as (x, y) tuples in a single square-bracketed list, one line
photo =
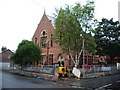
[(92, 71)]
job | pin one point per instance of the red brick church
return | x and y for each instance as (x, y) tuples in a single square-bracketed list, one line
[(51, 52)]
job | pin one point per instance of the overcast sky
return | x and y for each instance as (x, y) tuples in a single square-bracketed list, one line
[(20, 18)]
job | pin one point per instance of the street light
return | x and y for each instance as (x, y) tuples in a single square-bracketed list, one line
[(83, 52), (83, 46)]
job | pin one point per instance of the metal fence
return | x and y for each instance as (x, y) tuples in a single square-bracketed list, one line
[(91, 71), (4, 65), (88, 71), (48, 69)]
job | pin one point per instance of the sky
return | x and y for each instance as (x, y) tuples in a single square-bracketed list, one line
[(19, 18)]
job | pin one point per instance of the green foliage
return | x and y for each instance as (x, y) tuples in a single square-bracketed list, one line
[(26, 53), (85, 15), (72, 25), (67, 30), (106, 37), (90, 44)]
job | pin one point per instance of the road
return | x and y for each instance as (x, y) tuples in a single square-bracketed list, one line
[(15, 81), (100, 83), (106, 82)]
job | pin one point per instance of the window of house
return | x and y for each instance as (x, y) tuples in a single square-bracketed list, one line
[(51, 59), (43, 42), (43, 39), (9, 56), (70, 61), (61, 57), (44, 33), (43, 61), (35, 40), (51, 41)]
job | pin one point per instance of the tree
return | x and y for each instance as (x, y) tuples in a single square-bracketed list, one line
[(71, 29), (26, 53), (85, 15), (106, 37)]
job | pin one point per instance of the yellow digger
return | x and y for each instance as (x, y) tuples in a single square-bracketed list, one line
[(62, 70)]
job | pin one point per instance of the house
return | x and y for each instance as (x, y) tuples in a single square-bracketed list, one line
[(5, 60), (51, 52)]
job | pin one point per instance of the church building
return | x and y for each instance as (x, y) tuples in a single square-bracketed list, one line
[(51, 52)]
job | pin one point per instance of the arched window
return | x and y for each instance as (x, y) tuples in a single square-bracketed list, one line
[(61, 57), (44, 33), (43, 39)]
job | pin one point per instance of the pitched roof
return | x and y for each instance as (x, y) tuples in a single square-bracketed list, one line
[(7, 50), (46, 18)]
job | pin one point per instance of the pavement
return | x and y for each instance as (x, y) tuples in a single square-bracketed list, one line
[(54, 78), (39, 75)]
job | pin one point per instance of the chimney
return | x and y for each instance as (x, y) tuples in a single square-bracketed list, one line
[(3, 48)]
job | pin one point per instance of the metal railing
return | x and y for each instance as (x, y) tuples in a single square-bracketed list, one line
[(48, 69), (91, 71)]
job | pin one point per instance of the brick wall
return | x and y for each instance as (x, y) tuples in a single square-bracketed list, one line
[(6, 56)]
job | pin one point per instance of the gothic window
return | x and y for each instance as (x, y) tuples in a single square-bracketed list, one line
[(43, 39), (44, 33), (43, 42)]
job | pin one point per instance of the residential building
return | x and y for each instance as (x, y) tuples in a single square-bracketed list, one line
[(5, 60)]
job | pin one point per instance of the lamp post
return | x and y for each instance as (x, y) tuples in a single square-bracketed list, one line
[(83, 46), (83, 52), (83, 67)]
